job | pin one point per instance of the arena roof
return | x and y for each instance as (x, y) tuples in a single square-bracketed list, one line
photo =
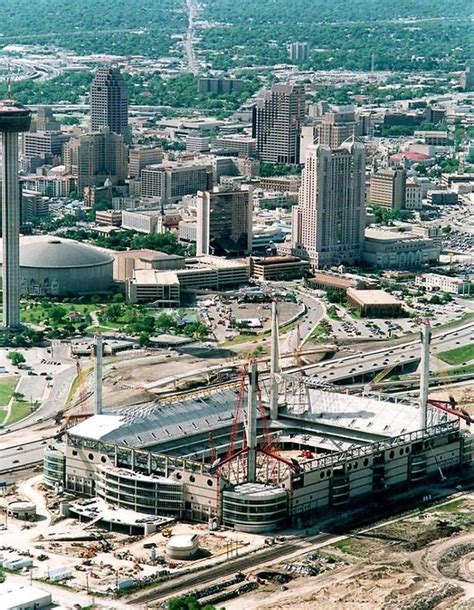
[(185, 424), (372, 417), (47, 251), (151, 425)]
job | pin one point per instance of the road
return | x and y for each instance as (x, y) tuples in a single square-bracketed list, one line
[(314, 313), (349, 367), (21, 456), (364, 363), (192, 9)]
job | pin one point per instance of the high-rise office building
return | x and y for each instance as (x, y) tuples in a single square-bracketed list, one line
[(44, 120), (220, 85), (44, 144), (96, 157), (14, 119), (139, 158), (466, 80), (337, 126), (224, 222), (170, 182), (298, 52), (388, 188), (329, 221), (109, 102), (276, 125)]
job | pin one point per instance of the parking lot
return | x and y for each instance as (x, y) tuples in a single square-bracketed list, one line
[(347, 326)]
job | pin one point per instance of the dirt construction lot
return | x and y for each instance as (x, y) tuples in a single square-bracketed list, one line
[(419, 563)]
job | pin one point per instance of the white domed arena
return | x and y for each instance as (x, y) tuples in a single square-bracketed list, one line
[(54, 266)]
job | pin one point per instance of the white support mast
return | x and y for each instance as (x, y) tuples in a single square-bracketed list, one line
[(424, 373), (274, 363), (98, 374)]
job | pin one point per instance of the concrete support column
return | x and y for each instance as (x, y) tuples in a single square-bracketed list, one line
[(274, 363), (10, 230), (98, 374), (424, 374), (252, 425)]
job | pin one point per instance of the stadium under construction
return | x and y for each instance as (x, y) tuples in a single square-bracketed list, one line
[(261, 455)]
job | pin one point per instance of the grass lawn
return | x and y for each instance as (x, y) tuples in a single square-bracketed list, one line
[(7, 387), (37, 313), (346, 546), (20, 409), (99, 329), (450, 507), (459, 370), (242, 338), (458, 355), (319, 333)]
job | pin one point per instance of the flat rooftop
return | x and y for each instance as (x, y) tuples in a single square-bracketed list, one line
[(373, 297), (98, 510), (154, 276), (383, 235)]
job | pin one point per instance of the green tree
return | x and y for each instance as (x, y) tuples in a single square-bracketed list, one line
[(144, 339), (16, 358), (56, 314), (188, 602)]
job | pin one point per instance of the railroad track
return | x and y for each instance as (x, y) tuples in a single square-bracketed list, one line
[(228, 569)]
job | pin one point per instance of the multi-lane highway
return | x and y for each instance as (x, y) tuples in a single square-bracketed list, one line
[(20, 457), (366, 363)]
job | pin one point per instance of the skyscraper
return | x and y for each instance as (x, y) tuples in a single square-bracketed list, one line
[(14, 119), (298, 51), (96, 157), (276, 125), (337, 126), (109, 102), (224, 222), (329, 221)]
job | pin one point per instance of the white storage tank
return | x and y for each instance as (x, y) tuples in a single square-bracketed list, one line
[(182, 546), (21, 509)]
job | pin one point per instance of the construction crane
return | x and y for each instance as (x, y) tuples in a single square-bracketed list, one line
[(267, 448), (80, 380), (450, 406), (379, 377)]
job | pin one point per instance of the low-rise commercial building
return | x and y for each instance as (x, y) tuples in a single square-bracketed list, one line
[(129, 261), (374, 303), (283, 184), (279, 267), (111, 218), (434, 282), (244, 146), (339, 282), (203, 272), (14, 596), (397, 250), (441, 197), (433, 138)]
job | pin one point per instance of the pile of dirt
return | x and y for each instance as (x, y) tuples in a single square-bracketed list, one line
[(448, 565)]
